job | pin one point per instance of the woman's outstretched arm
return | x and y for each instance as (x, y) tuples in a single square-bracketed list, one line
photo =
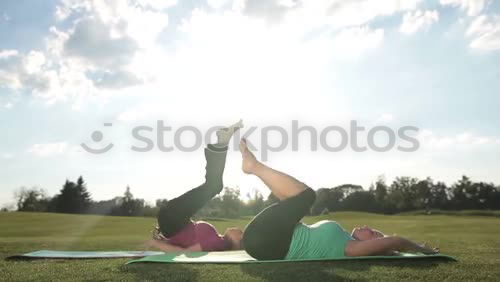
[(381, 246), (166, 247)]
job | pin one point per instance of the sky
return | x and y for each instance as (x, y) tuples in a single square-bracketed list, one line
[(69, 67)]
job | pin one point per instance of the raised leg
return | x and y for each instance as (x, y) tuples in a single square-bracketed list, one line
[(282, 185), (173, 216)]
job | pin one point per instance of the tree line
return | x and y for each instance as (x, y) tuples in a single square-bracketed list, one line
[(402, 195), (75, 198), (408, 194)]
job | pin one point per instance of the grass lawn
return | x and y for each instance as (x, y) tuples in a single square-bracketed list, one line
[(473, 240)]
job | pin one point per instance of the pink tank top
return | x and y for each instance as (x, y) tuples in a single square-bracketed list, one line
[(200, 232)]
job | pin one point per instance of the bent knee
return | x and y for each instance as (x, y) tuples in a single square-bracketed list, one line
[(214, 185), (309, 195)]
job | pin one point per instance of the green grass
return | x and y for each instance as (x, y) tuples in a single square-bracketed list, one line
[(473, 240)]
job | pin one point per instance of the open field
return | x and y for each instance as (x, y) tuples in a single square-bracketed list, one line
[(473, 240)]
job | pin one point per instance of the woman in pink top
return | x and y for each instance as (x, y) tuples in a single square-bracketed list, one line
[(176, 231)]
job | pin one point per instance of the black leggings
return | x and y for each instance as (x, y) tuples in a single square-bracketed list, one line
[(177, 213), (269, 234)]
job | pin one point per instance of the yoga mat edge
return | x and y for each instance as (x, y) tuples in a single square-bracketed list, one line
[(49, 254), (227, 257), (238, 257)]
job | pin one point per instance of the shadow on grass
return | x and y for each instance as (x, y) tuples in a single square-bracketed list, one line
[(320, 271), (161, 272), (302, 271), (365, 265)]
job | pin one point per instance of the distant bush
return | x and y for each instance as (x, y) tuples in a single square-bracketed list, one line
[(494, 213), (31, 199)]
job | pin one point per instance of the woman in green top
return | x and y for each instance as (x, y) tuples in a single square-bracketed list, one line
[(277, 233)]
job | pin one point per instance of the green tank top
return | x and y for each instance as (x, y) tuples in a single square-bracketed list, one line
[(324, 239)]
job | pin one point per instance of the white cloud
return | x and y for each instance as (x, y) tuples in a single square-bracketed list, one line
[(478, 26), (116, 79), (464, 137), (68, 7), (472, 7), (385, 118), (100, 47), (139, 20), (89, 57), (30, 72), (485, 33), (157, 5), (464, 140), (219, 4), (92, 40), (24, 71), (226, 53), (5, 17), (352, 42), (333, 13), (54, 149), (357, 12), (270, 10), (9, 63), (34, 61), (415, 21), (6, 156), (141, 112), (482, 140), (4, 54), (48, 149)]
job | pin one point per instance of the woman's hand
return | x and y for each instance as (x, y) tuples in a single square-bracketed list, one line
[(166, 247), (381, 246), (163, 246)]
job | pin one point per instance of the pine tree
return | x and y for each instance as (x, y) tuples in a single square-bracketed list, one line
[(129, 205), (73, 198), (83, 194)]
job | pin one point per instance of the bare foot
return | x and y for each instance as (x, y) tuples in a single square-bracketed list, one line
[(249, 162), (225, 134), (428, 250)]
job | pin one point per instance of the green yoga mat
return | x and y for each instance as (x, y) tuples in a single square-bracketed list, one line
[(243, 257), (84, 254)]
